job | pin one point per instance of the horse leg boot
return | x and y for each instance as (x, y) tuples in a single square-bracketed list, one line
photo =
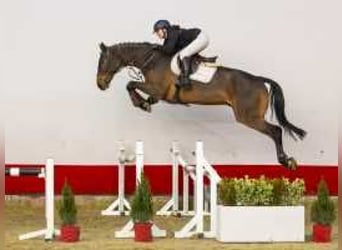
[(137, 99), (148, 89)]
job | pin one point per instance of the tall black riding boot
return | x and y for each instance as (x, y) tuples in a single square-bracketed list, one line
[(183, 79)]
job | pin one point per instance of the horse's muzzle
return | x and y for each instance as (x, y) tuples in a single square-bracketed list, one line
[(102, 82)]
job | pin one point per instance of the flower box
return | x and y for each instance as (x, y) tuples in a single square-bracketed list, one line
[(260, 224)]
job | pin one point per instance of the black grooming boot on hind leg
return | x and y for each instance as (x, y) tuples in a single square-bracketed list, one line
[(183, 79)]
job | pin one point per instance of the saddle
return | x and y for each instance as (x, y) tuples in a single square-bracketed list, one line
[(202, 68), (199, 59), (196, 60)]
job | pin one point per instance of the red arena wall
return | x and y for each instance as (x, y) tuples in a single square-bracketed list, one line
[(103, 179)]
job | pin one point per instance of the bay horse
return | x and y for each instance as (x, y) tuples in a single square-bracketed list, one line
[(245, 93)]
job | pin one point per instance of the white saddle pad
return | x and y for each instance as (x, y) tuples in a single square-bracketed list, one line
[(204, 73)]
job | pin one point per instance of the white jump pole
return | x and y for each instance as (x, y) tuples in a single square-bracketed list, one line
[(195, 225), (172, 204), (49, 232), (139, 161), (175, 184), (120, 206), (50, 198), (189, 172), (214, 180), (121, 187), (197, 221), (199, 188), (186, 177)]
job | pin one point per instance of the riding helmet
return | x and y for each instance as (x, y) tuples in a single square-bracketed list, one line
[(161, 24)]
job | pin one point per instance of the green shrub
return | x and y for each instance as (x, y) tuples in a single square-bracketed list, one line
[(244, 191), (142, 204), (323, 209), (227, 192), (67, 208), (260, 192), (294, 192), (279, 192), (253, 192)]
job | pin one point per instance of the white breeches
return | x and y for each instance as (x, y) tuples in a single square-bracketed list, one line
[(196, 46)]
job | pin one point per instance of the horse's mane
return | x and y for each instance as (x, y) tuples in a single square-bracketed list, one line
[(128, 49), (132, 45)]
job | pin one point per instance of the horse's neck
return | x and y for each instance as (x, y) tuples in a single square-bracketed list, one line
[(134, 55), (139, 56)]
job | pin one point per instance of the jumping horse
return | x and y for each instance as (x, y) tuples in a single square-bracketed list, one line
[(245, 93)]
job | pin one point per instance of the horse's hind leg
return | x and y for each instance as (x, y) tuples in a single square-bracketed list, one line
[(251, 113), (275, 132)]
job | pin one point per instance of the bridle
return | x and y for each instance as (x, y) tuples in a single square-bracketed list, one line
[(135, 74)]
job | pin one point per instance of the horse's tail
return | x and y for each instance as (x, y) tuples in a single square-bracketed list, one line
[(278, 105)]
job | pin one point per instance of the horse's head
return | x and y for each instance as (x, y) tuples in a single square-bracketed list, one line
[(109, 64)]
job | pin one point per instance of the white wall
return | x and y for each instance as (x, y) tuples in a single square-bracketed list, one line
[(55, 109)]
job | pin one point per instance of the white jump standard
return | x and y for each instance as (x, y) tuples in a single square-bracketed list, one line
[(196, 223), (189, 173), (120, 206), (202, 168), (48, 174), (127, 231)]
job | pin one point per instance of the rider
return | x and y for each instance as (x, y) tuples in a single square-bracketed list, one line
[(187, 42)]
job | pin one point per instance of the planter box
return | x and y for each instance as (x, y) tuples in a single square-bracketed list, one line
[(260, 224)]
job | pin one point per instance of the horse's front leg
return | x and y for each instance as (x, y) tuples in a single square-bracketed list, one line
[(137, 99), (150, 90)]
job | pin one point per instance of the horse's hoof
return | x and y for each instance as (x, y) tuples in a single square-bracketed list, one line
[(146, 107), (151, 100), (292, 163)]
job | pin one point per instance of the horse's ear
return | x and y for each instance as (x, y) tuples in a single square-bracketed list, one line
[(103, 47)]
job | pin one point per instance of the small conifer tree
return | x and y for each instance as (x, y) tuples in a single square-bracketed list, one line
[(323, 209), (67, 208), (142, 204)]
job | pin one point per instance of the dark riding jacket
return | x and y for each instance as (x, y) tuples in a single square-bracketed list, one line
[(178, 38)]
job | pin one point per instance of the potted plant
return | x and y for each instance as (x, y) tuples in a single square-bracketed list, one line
[(260, 210), (322, 214), (142, 211), (68, 214)]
